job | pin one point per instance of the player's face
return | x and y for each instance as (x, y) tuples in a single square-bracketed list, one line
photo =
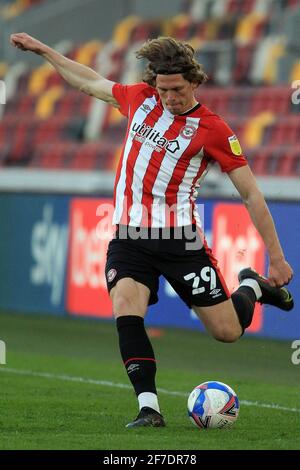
[(176, 93)]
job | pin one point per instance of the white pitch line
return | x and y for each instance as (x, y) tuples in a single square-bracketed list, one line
[(107, 383)]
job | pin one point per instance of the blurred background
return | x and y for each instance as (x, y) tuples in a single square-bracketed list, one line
[(59, 148)]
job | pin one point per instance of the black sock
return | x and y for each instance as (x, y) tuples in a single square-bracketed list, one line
[(137, 353), (244, 299)]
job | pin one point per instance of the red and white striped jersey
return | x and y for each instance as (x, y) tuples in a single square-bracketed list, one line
[(165, 157)]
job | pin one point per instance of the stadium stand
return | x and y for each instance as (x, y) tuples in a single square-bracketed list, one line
[(11, 8), (250, 50)]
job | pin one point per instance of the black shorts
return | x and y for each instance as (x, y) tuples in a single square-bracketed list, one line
[(180, 255)]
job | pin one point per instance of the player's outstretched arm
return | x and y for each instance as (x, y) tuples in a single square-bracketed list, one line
[(77, 75), (280, 272)]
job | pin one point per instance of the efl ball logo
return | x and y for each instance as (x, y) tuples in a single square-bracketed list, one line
[(213, 405), (235, 145)]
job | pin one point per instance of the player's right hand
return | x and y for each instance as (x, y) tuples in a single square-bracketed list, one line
[(26, 43)]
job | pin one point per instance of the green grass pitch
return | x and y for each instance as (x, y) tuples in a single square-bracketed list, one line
[(64, 387)]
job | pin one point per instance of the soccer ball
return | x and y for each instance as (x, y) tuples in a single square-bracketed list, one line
[(213, 405)]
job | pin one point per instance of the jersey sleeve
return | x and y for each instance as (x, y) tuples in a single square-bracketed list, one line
[(222, 145), (126, 94)]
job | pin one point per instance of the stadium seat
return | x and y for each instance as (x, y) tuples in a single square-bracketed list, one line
[(276, 99), (287, 131), (46, 119)]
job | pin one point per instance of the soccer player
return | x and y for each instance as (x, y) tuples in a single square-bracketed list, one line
[(171, 142)]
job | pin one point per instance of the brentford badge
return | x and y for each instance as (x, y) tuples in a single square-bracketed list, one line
[(111, 275), (188, 131)]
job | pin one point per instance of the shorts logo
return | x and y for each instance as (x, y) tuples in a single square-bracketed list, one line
[(214, 292), (234, 145), (111, 275), (188, 131)]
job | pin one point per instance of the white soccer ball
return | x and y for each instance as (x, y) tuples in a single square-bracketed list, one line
[(213, 405)]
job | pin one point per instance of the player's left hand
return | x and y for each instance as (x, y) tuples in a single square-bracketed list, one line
[(280, 273), (27, 43)]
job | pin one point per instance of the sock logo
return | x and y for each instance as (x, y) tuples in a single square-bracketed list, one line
[(132, 368), (111, 275)]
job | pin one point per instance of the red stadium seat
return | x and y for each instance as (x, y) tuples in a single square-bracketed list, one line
[(57, 142), (286, 131), (276, 99), (243, 61)]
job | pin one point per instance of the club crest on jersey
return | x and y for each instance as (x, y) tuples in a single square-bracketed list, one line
[(234, 145), (188, 131)]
